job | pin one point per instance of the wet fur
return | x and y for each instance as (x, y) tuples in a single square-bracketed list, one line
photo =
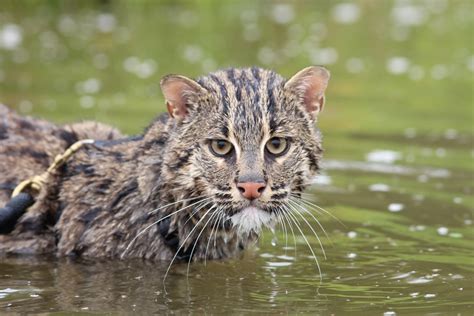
[(104, 197)]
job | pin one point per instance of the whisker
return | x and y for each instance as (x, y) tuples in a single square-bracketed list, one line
[(283, 225), (308, 202), (303, 208), (197, 239), (285, 217), (311, 227), (214, 230), (154, 223), (195, 211), (295, 221), (184, 243), (176, 202)]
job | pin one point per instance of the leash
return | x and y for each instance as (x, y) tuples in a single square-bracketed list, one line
[(23, 195)]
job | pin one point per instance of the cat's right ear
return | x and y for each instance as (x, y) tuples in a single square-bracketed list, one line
[(180, 93)]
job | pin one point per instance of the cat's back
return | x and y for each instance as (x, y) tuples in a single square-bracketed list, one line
[(28, 146)]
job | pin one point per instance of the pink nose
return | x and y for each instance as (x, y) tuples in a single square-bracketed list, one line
[(251, 190)]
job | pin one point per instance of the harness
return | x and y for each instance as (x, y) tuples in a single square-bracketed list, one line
[(25, 193)]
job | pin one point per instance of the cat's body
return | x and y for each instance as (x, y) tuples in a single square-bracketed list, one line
[(199, 183)]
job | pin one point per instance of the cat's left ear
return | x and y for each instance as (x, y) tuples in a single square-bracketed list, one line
[(309, 85), (180, 94)]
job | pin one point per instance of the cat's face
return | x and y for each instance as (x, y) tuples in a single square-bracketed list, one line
[(250, 139)]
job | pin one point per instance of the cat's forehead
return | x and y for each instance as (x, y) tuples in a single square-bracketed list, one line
[(244, 86), (246, 99)]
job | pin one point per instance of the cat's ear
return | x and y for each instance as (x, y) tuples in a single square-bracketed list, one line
[(180, 92), (309, 85)]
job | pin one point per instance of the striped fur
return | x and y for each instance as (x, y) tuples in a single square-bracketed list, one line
[(115, 197)]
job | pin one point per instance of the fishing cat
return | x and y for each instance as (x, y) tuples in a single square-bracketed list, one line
[(200, 182)]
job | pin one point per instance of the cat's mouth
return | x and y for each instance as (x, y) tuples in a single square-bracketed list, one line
[(252, 219)]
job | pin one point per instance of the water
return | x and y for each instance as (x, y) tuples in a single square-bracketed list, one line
[(398, 165)]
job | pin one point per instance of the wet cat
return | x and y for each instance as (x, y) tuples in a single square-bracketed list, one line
[(234, 149)]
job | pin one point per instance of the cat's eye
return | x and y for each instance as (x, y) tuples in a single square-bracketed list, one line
[(277, 146), (220, 147)]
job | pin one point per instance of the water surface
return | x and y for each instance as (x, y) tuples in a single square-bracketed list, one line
[(398, 169)]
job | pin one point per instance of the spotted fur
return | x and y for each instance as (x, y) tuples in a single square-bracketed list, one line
[(121, 197)]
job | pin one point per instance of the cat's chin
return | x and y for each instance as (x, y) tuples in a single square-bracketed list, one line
[(252, 219)]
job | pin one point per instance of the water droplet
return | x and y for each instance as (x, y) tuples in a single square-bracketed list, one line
[(274, 241), (283, 13), (395, 207), (355, 65), (352, 234), (346, 13), (274, 238), (406, 14), (10, 36), (439, 72), (351, 255), (443, 231), (398, 65), (324, 56), (193, 53), (416, 73), (429, 295), (379, 187), (106, 22), (87, 101)]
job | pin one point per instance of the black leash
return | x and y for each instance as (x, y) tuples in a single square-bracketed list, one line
[(10, 214)]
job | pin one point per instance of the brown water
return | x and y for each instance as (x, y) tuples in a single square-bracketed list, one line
[(398, 169)]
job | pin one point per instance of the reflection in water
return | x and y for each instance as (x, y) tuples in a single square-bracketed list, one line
[(398, 164)]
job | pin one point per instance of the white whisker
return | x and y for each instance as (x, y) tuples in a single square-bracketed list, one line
[(311, 227), (184, 243), (176, 202), (303, 208), (295, 221), (197, 239), (154, 223)]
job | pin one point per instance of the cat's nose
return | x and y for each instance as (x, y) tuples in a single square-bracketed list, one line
[(251, 190)]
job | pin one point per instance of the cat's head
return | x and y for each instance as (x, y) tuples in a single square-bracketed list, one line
[(244, 140)]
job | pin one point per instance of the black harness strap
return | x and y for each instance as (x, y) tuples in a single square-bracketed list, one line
[(171, 239), (14, 209)]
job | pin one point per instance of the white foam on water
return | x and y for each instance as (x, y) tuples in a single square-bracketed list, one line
[(379, 187), (419, 281), (442, 231), (352, 234), (396, 207), (383, 156), (279, 264)]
